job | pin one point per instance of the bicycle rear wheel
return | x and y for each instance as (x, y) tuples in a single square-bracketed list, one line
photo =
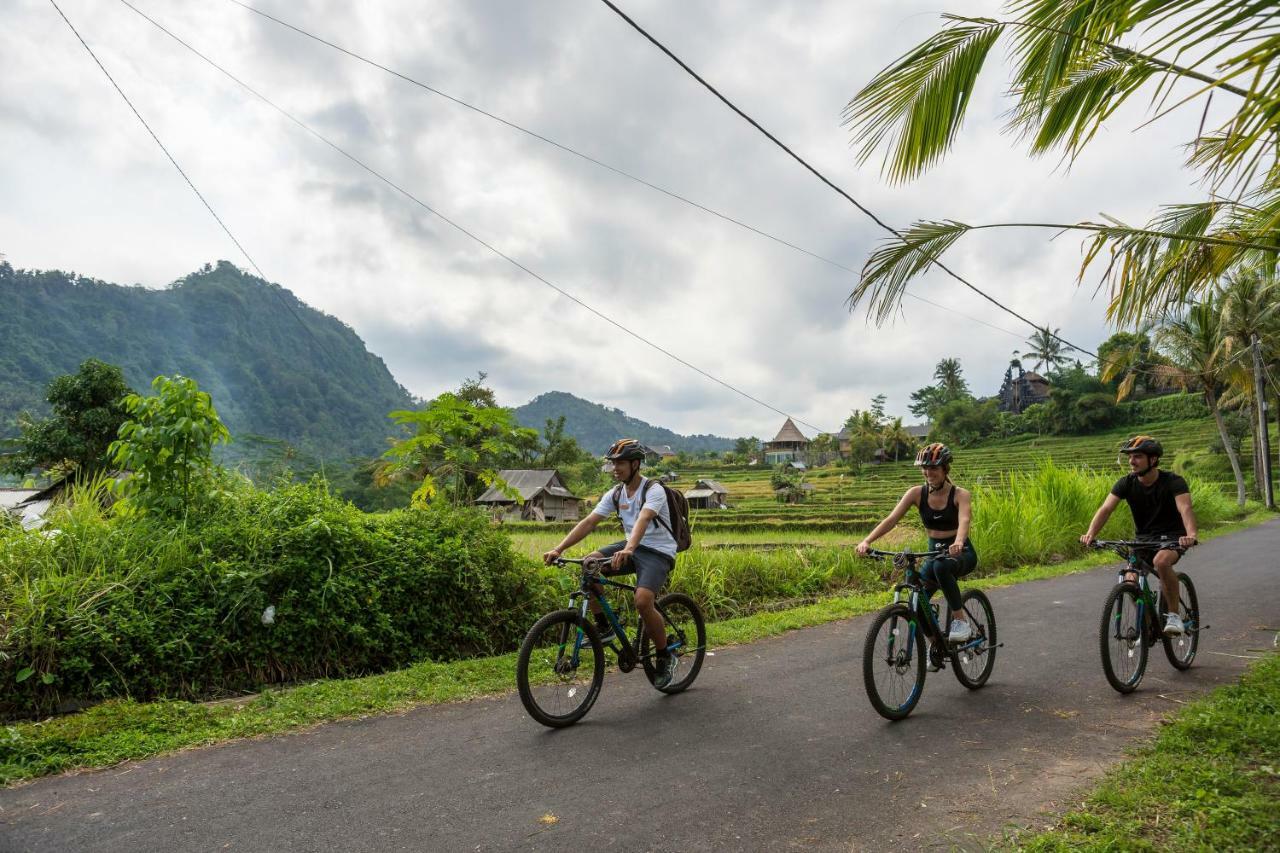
[(1120, 638), (973, 661), (893, 662), (686, 638), (557, 686), (1181, 649)]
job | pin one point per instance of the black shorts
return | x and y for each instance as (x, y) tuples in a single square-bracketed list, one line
[(651, 567)]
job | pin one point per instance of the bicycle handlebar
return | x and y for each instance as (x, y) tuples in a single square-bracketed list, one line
[(1157, 544), (910, 555)]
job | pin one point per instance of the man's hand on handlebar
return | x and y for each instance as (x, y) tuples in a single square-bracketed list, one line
[(621, 558), (550, 557), (1187, 541), (1086, 539), (863, 547)]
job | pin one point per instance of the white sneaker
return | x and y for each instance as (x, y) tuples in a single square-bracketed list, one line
[(961, 631), (1173, 626)]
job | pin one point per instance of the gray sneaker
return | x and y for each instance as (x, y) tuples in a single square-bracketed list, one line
[(961, 631), (1173, 626), (666, 666)]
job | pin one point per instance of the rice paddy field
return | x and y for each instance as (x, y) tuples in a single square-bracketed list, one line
[(1032, 498)]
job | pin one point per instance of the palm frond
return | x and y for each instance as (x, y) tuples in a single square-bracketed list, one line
[(898, 260), (921, 99)]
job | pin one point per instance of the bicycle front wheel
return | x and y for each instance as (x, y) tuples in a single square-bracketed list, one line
[(1120, 638), (559, 681), (973, 661), (1181, 649), (893, 662), (686, 638)]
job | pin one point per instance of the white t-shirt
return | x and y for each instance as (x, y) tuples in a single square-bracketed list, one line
[(656, 536)]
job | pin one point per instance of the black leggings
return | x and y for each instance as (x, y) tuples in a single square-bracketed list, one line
[(942, 572)]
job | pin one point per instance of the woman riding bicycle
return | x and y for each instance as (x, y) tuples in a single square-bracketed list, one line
[(945, 512)]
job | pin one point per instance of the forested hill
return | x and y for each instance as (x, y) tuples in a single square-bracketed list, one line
[(274, 366), (596, 426)]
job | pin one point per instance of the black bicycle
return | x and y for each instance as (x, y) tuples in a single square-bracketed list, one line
[(893, 658), (1131, 617), (561, 665)]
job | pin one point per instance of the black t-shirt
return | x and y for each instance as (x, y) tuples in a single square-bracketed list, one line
[(1155, 514)]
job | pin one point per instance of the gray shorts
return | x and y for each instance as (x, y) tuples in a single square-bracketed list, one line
[(650, 567)]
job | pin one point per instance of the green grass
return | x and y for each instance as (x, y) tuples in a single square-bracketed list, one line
[(1210, 781), (121, 730)]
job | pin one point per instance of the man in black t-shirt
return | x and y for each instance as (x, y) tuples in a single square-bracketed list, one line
[(1161, 507)]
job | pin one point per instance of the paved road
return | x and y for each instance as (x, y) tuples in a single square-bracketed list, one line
[(776, 747)]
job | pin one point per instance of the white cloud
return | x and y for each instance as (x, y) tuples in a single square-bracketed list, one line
[(86, 189)]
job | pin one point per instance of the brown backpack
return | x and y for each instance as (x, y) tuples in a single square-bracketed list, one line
[(677, 507)]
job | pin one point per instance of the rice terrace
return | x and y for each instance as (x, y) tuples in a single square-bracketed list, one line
[(895, 467)]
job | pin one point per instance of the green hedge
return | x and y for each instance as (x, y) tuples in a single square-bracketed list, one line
[(107, 608), (1168, 408)]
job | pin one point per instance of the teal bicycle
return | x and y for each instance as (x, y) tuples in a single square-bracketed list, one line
[(561, 665), (1131, 617)]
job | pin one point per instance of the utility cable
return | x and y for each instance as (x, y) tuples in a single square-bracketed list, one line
[(461, 229), (589, 158), (181, 172), (866, 211)]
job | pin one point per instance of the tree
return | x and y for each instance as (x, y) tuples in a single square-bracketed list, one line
[(877, 406), (1045, 349), (896, 440), (747, 448), (1127, 358), (1070, 75), (88, 410), (167, 445), (965, 421), (926, 401), (1194, 343), (950, 379), (455, 446), (559, 450)]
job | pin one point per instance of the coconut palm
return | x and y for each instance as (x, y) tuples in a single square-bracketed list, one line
[(1070, 74), (1250, 307), (895, 437), (1195, 345), (1046, 349), (950, 379)]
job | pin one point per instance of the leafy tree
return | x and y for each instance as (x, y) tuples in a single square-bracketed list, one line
[(1128, 359), (88, 409), (167, 444), (1045, 349), (877, 406), (951, 379), (965, 421), (926, 401), (558, 449), (747, 448), (456, 445), (1070, 75), (896, 440)]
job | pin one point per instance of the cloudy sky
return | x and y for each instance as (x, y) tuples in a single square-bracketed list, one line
[(85, 189)]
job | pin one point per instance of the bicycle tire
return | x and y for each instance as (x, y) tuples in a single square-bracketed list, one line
[(672, 601), (1189, 610), (569, 684), (897, 661), (1129, 641), (983, 620)]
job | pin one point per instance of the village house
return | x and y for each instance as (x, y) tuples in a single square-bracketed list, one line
[(789, 445), (708, 494), (540, 495)]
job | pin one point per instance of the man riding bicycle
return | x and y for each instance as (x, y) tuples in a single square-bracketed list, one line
[(948, 529), (649, 550), (1161, 505)]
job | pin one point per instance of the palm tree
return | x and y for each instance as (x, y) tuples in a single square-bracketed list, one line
[(1046, 348), (1070, 75), (1194, 343), (896, 436), (950, 380), (1250, 306)]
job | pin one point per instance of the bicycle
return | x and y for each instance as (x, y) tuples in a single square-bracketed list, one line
[(895, 645), (560, 669), (1131, 617)]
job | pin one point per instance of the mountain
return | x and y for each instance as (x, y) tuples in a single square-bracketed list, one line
[(596, 426), (274, 366)]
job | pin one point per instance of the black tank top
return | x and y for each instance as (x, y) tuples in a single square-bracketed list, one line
[(947, 518)]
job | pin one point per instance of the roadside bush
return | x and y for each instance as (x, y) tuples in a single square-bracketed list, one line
[(268, 587)]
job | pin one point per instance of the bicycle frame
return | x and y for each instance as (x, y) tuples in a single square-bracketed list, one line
[(579, 600), (1148, 605), (922, 618)]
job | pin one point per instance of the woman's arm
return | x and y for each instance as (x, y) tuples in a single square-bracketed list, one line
[(911, 497), (966, 516)]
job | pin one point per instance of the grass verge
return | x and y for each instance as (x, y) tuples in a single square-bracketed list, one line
[(1210, 781), (122, 730)]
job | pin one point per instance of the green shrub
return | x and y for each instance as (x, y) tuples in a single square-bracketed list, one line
[(1171, 407), (267, 587)]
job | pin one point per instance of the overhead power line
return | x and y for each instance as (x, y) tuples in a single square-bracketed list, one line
[(181, 172), (866, 211), (589, 158), (458, 227)]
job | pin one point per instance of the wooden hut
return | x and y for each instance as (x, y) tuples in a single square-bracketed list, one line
[(540, 495), (707, 494)]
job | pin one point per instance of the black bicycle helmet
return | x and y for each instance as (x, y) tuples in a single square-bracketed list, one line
[(625, 448), (1142, 444), (934, 455)]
